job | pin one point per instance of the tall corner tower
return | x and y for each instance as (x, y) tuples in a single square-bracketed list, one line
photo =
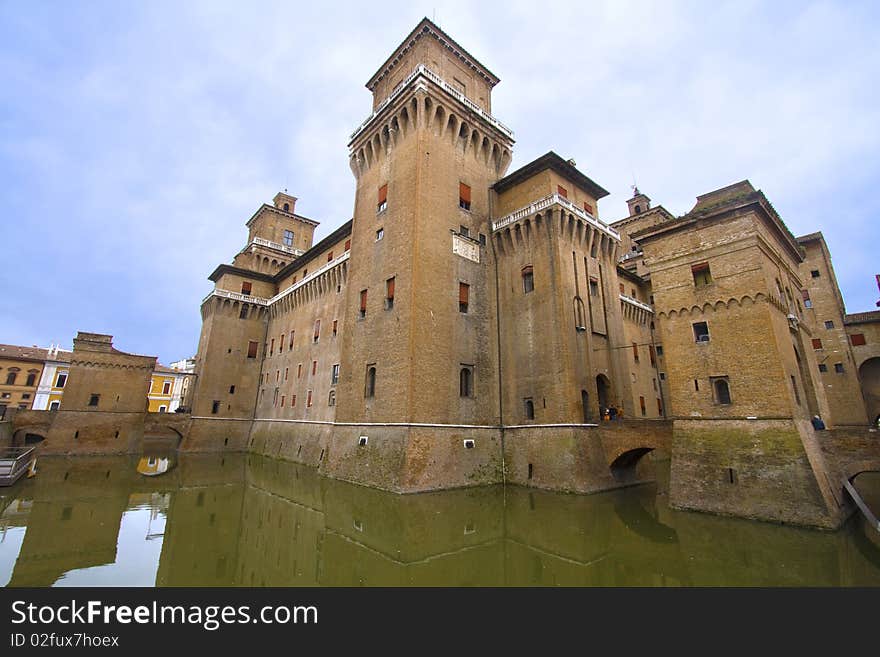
[(421, 345)]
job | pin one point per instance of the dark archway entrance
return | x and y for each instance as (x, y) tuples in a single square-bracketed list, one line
[(603, 390), (624, 467), (869, 378), (585, 405)]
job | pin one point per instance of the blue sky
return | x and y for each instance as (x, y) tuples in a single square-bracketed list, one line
[(137, 138)]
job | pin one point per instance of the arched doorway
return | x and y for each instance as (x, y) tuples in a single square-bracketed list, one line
[(603, 390), (585, 405), (869, 377)]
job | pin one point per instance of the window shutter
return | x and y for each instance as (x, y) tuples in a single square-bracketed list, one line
[(463, 293), (317, 328), (817, 343), (562, 191), (363, 301), (703, 266), (245, 287), (857, 339), (389, 284), (383, 193), (347, 245), (330, 256), (588, 208), (464, 192), (805, 294)]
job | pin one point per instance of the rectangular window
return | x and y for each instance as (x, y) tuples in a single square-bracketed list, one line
[(622, 289), (528, 279), (272, 347), (252, 349), (317, 330), (701, 274), (335, 326), (817, 343), (642, 406), (362, 310), (823, 367), (334, 374), (806, 297), (464, 196), (330, 256), (215, 407), (383, 199), (246, 288), (463, 231), (282, 401), (857, 339), (380, 234), (231, 390), (659, 407), (829, 324), (635, 352), (288, 238), (290, 342), (562, 191), (389, 293), (285, 373), (594, 287), (652, 355), (464, 293), (281, 344), (314, 367), (701, 332), (838, 367), (166, 387), (277, 376), (815, 273), (309, 399), (62, 379), (588, 208), (293, 400), (347, 245), (659, 350), (94, 399)]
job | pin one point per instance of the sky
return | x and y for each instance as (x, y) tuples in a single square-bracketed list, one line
[(137, 138)]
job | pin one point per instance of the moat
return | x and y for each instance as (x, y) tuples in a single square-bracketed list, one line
[(239, 520)]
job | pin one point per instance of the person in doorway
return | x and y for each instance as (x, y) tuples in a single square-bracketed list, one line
[(818, 424), (612, 412)]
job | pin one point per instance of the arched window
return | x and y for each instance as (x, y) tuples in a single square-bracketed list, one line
[(465, 387), (722, 391), (370, 387), (529, 407), (31, 379), (528, 279), (10, 378), (331, 399), (287, 207), (579, 314), (638, 209)]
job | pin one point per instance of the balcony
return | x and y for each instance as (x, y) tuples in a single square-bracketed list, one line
[(274, 245), (549, 201), (246, 298)]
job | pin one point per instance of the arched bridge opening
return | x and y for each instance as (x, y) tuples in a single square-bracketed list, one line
[(624, 467)]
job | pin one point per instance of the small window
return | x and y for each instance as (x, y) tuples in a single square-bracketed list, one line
[(243, 313), (382, 204), (814, 273), (362, 310), (380, 234), (464, 196), (482, 240), (330, 257), (702, 275), (594, 287), (288, 237), (32, 378), (317, 335), (285, 373), (642, 406), (26, 395), (252, 349), (659, 350), (389, 293), (856, 339), (638, 209), (721, 389), (272, 347), (465, 381), (701, 332), (817, 343), (281, 344), (528, 279), (231, 390), (55, 405), (588, 208), (246, 288), (652, 355), (62, 379), (463, 231), (823, 367), (562, 191), (464, 293), (162, 409), (370, 384), (335, 326), (622, 289), (529, 408), (166, 388), (314, 367), (347, 245), (10, 378), (309, 399), (331, 398), (334, 375), (838, 367), (287, 207), (94, 399), (829, 324), (635, 347), (299, 371)]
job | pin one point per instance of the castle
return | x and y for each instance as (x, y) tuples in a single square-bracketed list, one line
[(470, 325)]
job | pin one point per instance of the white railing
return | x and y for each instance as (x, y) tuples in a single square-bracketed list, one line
[(424, 71), (321, 270), (247, 298), (636, 303), (276, 245), (546, 202)]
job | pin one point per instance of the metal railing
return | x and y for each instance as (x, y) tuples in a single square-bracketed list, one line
[(14, 462)]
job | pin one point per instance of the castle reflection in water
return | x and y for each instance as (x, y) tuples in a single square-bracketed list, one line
[(250, 521)]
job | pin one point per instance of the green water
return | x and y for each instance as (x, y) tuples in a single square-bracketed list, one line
[(250, 521)]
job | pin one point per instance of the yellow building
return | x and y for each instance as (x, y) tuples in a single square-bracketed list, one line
[(20, 371), (166, 389)]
